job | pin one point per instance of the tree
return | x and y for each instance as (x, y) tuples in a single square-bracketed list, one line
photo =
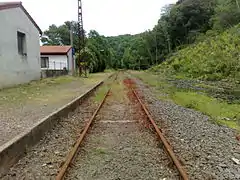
[(96, 51), (227, 14), (61, 35), (179, 26)]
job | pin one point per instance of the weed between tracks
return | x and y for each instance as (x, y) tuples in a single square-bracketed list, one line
[(115, 87), (100, 151), (101, 92)]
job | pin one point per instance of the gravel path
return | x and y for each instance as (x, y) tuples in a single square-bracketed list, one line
[(43, 160), (118, 146), (18, 117), (205, 148)]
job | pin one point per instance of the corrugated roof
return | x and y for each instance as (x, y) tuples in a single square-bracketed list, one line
[(54, 49), (10, 5)]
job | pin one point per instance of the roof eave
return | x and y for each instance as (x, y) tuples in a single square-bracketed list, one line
[(53, 53)]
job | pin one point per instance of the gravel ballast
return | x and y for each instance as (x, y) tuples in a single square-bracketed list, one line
[(208, 150), (119, 147), (44, 159)]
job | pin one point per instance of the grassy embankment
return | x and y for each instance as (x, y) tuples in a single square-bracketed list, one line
[(204, 76), (216, 58), (45, 90)]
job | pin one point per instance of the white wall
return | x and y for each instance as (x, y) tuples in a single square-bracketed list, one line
[(14, 69), (71, 60), (56, 62)]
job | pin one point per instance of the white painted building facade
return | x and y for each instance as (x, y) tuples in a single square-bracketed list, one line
[(56, 58), (19, 46), (54, 62)]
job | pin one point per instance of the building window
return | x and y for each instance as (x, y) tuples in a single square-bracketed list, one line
[(44, 62), (21, 38)]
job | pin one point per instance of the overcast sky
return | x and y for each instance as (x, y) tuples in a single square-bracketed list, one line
[(108, 17)]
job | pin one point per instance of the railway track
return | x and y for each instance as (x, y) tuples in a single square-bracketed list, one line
[(115, 122)]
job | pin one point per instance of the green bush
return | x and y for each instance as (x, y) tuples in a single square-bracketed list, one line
[(215, 58)]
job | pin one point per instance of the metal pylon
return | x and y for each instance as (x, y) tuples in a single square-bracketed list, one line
[(80, 35)]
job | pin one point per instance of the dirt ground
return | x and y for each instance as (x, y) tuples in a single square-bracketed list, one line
[(24, 105)]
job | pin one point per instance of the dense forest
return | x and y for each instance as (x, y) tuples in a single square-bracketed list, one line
[(199, 38)]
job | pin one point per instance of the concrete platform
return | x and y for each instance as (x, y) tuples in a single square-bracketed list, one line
[(13, 150)]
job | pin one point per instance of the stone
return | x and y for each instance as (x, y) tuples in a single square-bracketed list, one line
[(235, 160), (222, 165)]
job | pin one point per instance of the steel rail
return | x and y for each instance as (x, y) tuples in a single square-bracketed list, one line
[(74, 150), (71, 155), (167, 146)]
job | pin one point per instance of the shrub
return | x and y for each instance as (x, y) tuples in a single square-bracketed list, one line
[(215, 58)]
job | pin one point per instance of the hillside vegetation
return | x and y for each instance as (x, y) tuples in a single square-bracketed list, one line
[(215, 58)]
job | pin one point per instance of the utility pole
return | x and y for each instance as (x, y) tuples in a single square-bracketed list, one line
[(81, 39), (71, 42), (71, 36)]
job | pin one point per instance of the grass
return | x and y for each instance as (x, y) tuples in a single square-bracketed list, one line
[(220, 111), (101, 92), (121, 89), (45, 88), (158, 82), (231, 124), (100, 151), (28, 91), (109, 70), (115, 87), (211, 107), (99, 95)]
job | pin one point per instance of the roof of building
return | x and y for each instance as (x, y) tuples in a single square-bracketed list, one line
[(54, 50), (10, 5)]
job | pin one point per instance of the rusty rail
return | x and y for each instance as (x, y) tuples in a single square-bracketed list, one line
[(73, 152), (168, 148), (75, 148)]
